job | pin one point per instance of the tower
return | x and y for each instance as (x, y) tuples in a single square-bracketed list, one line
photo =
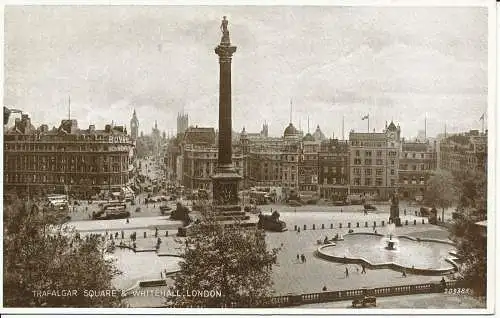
[(225, 181), (134, 126), (182, 122)]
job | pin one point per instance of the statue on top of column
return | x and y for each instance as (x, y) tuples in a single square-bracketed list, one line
[(225, 31)]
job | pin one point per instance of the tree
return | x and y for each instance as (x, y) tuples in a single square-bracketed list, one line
[(229, 259), (43, 258), (441, 190), (471, 245)]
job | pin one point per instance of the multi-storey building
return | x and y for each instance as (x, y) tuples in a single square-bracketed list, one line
[(374, 162), (417, 161), (308, 168), (77, 161), (333, 169), (462, 152)]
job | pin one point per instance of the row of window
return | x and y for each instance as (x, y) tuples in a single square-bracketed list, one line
[(378, 162), (372, 182), (63, 179)]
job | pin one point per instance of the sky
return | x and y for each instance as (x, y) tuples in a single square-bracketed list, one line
[(333, 62)]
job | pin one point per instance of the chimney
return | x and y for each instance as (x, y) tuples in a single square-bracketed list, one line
[(91, 129), (107, 128)]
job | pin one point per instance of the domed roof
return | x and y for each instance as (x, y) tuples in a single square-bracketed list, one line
[(308, 137), (290, 131), (318, 134)]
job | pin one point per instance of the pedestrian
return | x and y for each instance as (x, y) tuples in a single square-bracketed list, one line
[(304, 258), (128, 221), (346, 272), (404, 273), (405, 211), (298, 257), (161, 275), (340, 210), (363, 269)]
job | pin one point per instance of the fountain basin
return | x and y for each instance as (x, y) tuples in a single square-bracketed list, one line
[(418, 256)]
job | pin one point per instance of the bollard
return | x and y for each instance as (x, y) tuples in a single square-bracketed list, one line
[(331, 225), (166, 233), (414, 222), (144, 234), (366, 224), (357, 224), (383, 223), (439, 219), (340, 225), (349, 225), (305, 227), (406, 222), (423, 221), (323, 226), (314, 226), (295, 228), (374, 223)]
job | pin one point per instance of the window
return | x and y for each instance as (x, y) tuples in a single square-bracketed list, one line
[(357, 161), (368, 161), (379, 172), (357, 153), (393, 182), (368, 172), (357, 171), (422, 166), (392, 172), (380, 162), (413, 155), (368, 153), (414, 167), (378, 181), (379, 153), (406, 155), (422, 180), (368, 181), (357, 181), (422, 155), (405, 180)]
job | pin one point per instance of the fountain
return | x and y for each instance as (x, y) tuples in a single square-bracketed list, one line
[(390, 243), (394, 213)]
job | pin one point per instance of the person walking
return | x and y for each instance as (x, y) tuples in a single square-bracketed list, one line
[(298, 257), (363, 269), (346, 272)]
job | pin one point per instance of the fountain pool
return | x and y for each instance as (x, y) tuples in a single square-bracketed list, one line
[(425, 256)]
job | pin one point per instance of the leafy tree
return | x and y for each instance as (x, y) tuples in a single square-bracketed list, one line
[(229, 259), (441, 190), (471, 245), (42, 255)]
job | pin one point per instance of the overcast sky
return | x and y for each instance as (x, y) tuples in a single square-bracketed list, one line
[(393, 63)]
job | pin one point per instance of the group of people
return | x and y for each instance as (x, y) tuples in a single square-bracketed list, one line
[(301, 258)]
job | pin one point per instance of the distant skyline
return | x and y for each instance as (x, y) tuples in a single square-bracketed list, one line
[(395, 63)]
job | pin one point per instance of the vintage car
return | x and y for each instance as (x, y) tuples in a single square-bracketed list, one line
[(369, 207), (364, 301)]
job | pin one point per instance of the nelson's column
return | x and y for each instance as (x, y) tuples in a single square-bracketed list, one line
[(225, 180)]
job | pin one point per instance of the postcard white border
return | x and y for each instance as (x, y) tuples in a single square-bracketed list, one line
[(493, 174)]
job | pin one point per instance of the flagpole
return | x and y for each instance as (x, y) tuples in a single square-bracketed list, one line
[(343, 127), (368, 123)]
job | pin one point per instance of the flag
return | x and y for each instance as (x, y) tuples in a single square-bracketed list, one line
[(482, 117), (365, 117)]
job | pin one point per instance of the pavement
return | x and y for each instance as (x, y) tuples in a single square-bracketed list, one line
[(419, 301)]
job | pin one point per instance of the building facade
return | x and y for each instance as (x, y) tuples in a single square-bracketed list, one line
[(333, 164), (374, 162), (417, 161), (464, 152), (77, 161)]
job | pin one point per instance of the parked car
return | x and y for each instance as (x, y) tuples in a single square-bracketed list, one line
[(369, 207)]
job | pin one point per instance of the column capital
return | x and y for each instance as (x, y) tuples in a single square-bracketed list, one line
[(225, 52)]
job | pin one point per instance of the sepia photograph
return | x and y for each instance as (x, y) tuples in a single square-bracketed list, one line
[(279, 159)]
